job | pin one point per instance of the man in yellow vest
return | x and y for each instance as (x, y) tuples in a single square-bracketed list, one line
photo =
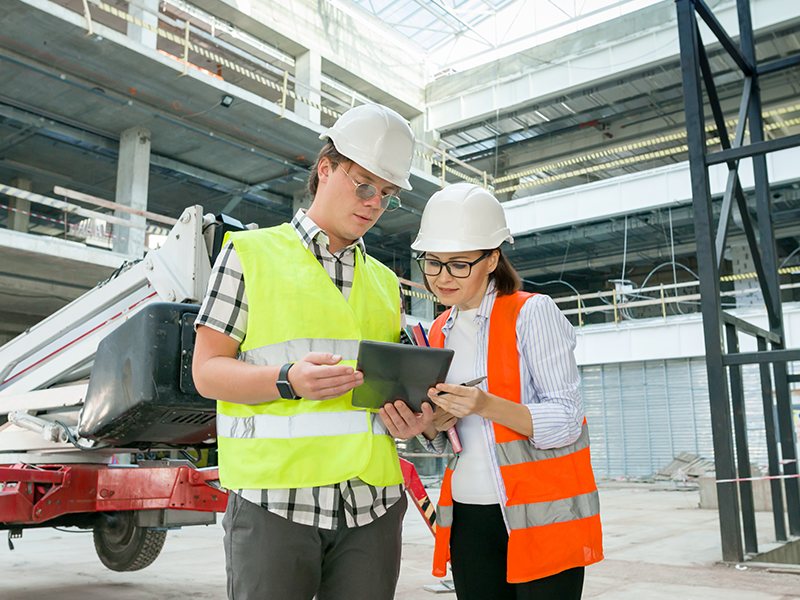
[(316, 497)]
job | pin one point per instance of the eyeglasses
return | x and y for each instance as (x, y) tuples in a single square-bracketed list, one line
[(460, 269), (365, 191)]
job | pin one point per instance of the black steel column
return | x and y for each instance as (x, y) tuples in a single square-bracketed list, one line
[(742, 452), (788, 447), (769, 257), (730, 529), (776, 486)]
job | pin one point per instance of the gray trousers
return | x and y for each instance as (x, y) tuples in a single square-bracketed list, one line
[(268, 557)]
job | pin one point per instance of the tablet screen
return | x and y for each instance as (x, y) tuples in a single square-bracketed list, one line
[(399, 372)]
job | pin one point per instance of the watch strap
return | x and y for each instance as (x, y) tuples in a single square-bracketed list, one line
[(284, 387)]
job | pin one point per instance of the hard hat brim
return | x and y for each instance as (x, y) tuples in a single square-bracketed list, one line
[(401, 182), (460, 245)]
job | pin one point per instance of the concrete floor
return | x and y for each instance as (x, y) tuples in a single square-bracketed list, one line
[(658, 543)]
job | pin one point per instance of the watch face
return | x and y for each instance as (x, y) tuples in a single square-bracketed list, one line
[(283, 384), (284, 389)]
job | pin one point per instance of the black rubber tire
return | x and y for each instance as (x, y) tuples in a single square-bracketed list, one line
[(122, 546)]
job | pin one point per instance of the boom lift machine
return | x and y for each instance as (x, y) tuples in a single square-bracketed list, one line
[(106, 376)]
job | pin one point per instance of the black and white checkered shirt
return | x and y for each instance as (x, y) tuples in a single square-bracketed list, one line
[(225, 309)]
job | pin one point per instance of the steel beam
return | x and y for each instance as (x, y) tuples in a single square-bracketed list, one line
[(770, 356), (694, 63), (753, 149), (772, 446), (778, 65), (744, 62), (742, 451), (769, 257), (749, 328), (733, 186), (783, 401), (730, 528)]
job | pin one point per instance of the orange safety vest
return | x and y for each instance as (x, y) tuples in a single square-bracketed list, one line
[(553, 509)]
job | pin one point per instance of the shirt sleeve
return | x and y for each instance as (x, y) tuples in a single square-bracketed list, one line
[(437, 445), (224, 307), (547, 344)]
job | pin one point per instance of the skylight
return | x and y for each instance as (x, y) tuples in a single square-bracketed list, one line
[(456, 35)]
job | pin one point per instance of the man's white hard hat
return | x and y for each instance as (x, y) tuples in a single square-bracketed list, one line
[(462, 217), (376, 138)]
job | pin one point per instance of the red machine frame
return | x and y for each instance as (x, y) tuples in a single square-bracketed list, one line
[(35, 494)]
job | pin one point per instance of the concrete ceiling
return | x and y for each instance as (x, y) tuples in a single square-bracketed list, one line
[(65, 98), (631, 108)]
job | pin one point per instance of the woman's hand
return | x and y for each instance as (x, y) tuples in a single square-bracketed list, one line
[(443, 420), (458, 400), (461, 401)]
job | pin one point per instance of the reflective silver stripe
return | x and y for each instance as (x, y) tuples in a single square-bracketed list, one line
[(522, 451), (378, 427), (444, 516), (522, 516), (296, 426), (294, 350)]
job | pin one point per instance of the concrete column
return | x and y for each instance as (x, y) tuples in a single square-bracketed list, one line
[(429, 137), (422, 309), (506, 196), (133, 174), (308, 72), (301, 200), (19, 221), (742, 262), (147, 12)]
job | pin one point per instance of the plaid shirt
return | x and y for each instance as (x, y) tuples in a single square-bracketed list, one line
[(225, 309)]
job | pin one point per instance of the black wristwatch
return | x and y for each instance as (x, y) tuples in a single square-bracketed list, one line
[(284, 387)]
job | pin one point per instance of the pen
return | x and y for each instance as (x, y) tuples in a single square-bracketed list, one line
[(468, 383), (452, 434)]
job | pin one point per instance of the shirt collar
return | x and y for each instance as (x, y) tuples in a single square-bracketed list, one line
[(484, 310), (308, 231)]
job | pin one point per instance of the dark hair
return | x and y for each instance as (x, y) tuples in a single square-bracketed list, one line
[(506, 279), (330, 152)]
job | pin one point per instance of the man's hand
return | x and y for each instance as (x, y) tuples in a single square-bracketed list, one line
[(319, 376), (404, 424)]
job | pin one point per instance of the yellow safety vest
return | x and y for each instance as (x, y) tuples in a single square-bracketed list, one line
[(294, 308)]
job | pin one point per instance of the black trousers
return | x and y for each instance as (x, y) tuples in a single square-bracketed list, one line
[(479, 552)]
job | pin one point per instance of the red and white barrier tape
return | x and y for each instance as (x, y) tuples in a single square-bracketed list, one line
[(757, 478)]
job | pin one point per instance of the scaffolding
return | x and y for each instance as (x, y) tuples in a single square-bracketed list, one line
[(721, 330)]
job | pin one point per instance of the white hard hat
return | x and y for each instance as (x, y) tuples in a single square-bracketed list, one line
[(462, 217), (376, 138)]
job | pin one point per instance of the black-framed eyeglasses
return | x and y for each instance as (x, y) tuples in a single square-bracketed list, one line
[(365, 191), (460, 269)]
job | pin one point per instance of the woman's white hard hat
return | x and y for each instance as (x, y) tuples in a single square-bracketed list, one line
[(462, 217), (376, 138)]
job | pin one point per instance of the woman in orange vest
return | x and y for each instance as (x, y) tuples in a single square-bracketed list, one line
[(518, 513)]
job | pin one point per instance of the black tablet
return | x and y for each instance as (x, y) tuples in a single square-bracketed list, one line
[(399, 372)]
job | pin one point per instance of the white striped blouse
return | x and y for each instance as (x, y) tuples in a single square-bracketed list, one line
[(549, 378)]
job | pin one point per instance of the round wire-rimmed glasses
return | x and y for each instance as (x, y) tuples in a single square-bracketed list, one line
[(460, 269), (365, 191)]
